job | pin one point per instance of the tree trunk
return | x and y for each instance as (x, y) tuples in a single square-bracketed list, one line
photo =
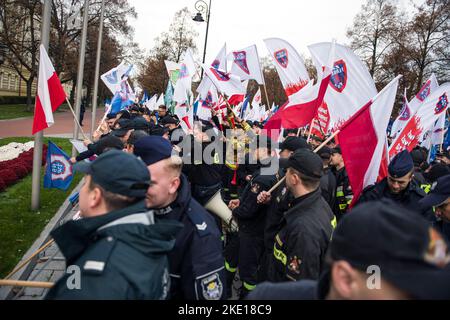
[(72, 92), (29, 98)]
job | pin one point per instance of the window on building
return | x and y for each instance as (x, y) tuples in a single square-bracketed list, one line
[(12, 82)]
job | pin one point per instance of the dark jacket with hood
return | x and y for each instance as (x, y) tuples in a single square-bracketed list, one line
[(120, 255)]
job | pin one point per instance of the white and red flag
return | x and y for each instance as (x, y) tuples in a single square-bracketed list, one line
[(424, 119), (187, 72), (363, 138), (185, 115), (225, 83), (303, 105), (321, 122), (220, 62), (410, 108), (50, 94), (351, 85), (205, 106), (246, 64), (289, 65)]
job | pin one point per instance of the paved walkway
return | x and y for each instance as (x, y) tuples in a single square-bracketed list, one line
[(63, 126)]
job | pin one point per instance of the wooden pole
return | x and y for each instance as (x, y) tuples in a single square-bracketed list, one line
[(45, 246), (310, 129), (267, 97), (76, 120), (31, 284), (315, 151)]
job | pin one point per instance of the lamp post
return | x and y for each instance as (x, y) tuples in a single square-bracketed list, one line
[(202, 7)]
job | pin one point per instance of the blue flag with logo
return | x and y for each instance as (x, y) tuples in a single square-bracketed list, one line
[(59, 173)]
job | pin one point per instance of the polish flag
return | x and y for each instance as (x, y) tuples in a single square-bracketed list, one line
[(363, 139), (410, 108), (50, 94), (429, 112)]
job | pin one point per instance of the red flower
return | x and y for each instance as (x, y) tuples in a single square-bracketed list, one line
[(20, 170), (2, 185), (8, 176)]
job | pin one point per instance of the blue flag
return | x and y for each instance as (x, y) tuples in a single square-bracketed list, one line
[(144, 97), (59, 172), (447, 135), (168, 96), (244, 107)]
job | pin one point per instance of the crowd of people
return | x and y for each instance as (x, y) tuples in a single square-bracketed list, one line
[(145, 232)]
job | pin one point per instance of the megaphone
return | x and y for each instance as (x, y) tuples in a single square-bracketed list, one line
[(220, 209)]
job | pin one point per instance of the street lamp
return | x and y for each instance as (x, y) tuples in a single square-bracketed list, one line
[(201, 8)]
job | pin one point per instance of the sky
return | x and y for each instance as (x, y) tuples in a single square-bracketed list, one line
[(241, 23)]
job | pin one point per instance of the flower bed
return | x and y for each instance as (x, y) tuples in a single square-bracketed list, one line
[(16, 162)]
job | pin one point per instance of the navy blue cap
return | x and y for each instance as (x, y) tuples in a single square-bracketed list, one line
[(118, 172), (153, 149), (439, 194), (412, 255), (401, 165)]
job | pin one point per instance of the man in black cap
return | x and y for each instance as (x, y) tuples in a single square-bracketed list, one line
[(399, 185), (196, 263), (176, 133), (278, 201), (134, 137), (444, 157), (439, 199), (306, 228), (344, 193), (106, 143), (251, 216), (328, 182), (122, 254), (379, 251)]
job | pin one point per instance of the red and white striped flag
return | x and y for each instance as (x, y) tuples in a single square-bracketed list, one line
[(363, 139), (50, 94), (429, 112)]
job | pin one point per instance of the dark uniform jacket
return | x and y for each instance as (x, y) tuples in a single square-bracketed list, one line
[(250, 215), (344, 193), (302, 240), (121, 255), (196, 262), (328, 187), (409, 198), (300, 290)]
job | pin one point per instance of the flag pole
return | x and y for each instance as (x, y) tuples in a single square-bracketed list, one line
[(310, 129), (39, 137), (97, 69), (79, 86), (76, 120), (267, 97), (315, 151)]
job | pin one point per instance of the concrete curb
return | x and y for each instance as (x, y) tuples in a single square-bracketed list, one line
[(56, 221)]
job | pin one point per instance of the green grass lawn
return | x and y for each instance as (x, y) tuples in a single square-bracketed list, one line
[(15, 111), (19, 226)]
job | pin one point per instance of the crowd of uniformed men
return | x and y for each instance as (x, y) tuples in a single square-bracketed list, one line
[(144, 232)]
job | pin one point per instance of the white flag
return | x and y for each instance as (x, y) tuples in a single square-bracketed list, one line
[(289, 64), (411, 107), (246, 64), (225, 83), (113, 78), (351, 83), (220, 62), (429, 112)]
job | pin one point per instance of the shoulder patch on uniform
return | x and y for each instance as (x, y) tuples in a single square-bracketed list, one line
[(212, 287), (198, 220), (294, 265), (255, 188), (91, 265)]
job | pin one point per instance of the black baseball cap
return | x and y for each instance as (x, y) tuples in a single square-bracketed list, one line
[(324, 153), (307, 162), (168, 120), (336, 149), (107, 143), (439, 194), (411, 255), (294, 143), (118, 172)]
